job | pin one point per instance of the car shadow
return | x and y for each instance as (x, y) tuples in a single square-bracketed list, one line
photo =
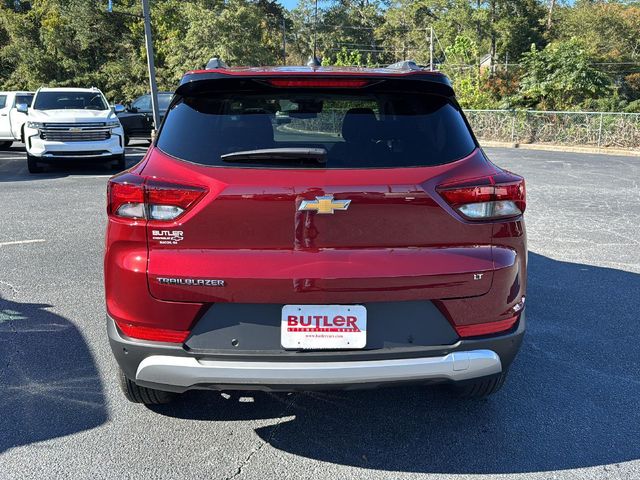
[(572, 399), (13, 165), (49, 382)]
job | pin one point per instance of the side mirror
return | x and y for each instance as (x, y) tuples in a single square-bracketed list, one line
[(22, 107), (132, 109), (119, 108)]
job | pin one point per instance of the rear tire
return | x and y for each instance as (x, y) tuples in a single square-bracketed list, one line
[(480, 388), (32, 164), (120, 164), (6, 144), (137, 394)]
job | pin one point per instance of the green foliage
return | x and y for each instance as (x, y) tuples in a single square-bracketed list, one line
[(76, 42), (560, 77), (467, 81), (354, 58), (633, 107), (588, 59), (342, 25)]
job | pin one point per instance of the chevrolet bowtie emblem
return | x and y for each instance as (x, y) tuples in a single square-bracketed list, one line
[(324, 204)]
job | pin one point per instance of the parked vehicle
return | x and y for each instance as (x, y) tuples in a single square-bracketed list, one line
[(368, 241), (137, 120), (11, 120), (72, 124)]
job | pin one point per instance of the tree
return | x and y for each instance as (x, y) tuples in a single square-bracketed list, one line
[(560, 77), (468, 80), (60, 43), (77, 43), (405, 31), (610, 32), (342, 24), (237, 31)]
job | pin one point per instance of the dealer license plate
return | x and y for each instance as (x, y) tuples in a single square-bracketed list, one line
[(323, 327)]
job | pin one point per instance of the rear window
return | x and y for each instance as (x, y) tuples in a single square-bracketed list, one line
[(364, 130)]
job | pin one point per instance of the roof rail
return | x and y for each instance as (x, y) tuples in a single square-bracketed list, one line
[(215, 62), (405, 65)]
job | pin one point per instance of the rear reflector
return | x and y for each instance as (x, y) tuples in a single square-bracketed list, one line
[(318, 83), (137, 197), (153, 334), (486, 328), (498, 196)]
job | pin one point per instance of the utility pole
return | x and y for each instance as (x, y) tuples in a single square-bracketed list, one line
[(284, 42), (552, 4), (152, 68), (431, 48), (315, 31), (148, 39)]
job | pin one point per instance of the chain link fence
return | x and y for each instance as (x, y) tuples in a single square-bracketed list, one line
[(590, 129)]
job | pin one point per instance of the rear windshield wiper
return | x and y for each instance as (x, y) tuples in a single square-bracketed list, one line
[(318, 155)]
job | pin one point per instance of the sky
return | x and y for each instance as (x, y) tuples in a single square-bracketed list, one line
[(288, 4)]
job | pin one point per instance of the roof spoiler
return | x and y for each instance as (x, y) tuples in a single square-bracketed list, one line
[(229, 79)]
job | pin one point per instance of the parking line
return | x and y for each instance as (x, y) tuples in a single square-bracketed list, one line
[(20, 242), (83, 177)]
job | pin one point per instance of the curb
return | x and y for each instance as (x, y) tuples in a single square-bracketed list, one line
[(562, 148)]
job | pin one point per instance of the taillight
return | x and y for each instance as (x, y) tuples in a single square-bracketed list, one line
[(488, 328), (125, 194), (494, 197), (137, 197), (167, 201), (154, 334)]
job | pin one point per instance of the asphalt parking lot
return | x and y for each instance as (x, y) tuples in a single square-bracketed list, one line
[(570, 409)]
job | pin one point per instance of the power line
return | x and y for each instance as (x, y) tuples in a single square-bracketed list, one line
[(352, 27)]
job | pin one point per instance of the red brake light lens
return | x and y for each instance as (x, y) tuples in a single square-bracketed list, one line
[(125, 196), (486, 328), (153, 334), (498, 196), (137, 197), (318, 83)]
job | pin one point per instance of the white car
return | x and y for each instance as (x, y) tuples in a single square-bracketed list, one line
[(72, 124), (11, 120)]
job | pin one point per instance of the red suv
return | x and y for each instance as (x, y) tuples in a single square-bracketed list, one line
[(302, 228)]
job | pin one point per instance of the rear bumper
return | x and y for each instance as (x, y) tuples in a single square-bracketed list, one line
[(185, 373), (174, 368)]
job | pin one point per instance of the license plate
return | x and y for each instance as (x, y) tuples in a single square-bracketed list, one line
[(322, 327)]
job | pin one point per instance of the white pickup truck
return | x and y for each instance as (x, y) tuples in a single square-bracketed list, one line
[(72, 124), (11, 120)]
